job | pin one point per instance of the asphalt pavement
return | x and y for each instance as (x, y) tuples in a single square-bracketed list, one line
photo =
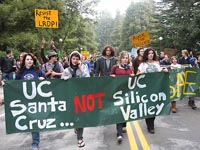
[(178, 131)]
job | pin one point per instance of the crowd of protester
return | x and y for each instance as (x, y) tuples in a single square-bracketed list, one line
[(28, 66)]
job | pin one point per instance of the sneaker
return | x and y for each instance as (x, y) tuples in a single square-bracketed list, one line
[(35, 148), (119, 139)]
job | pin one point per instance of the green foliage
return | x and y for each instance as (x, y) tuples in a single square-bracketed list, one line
[(104, 29), (18, 30), (180, 24), (137, 19)]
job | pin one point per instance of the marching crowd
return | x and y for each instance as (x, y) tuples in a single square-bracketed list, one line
[(28, 67)]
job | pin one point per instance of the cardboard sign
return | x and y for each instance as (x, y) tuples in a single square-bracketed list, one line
[(45, 18), (85, 53), (140, 40)]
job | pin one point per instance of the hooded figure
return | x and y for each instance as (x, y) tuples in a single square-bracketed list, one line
[(76, 67)]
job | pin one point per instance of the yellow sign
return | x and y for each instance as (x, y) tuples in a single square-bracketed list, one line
[(45, 18), (140, 40), (85, 53)]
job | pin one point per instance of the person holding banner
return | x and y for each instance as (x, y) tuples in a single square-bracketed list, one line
[(76, 69), (29, 70), (105, 62), (122, 68), (150, 64), (185, 62), (174, 65)]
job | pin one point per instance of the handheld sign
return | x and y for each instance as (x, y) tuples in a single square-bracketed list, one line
[(140, 40), (45, 18)]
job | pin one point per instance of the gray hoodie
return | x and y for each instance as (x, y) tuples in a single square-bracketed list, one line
[(68, 72)]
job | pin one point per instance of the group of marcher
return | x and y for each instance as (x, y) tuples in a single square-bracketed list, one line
[(26, 67)]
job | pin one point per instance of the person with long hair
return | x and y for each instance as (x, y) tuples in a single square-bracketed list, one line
[(150, 64), (104, 64), (29, 70), (122, 68)]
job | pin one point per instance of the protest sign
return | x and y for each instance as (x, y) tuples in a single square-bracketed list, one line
[(45, 18), (140, 39)]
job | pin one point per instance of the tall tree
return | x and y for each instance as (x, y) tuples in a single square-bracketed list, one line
[(116, 31), (180, 23), (104, 29), (137, 19), (17, 23)]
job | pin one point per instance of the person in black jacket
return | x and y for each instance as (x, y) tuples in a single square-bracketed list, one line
[(7, 66), (104, 64)]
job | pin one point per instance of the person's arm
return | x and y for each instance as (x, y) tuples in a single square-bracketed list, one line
[(66, 74), (61, 69), (113, 71), (44, 59), (1, 62), (97, 68)]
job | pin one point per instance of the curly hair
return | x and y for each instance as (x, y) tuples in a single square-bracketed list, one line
[(111, 48)]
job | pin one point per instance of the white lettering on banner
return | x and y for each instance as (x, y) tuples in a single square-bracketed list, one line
[(18, 109), (41, 124), (136, 82), (36, 107), (143, 111), (34, 91), (124, 100), (22, 108)]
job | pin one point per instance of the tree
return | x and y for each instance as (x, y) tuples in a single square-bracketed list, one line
[(17, 24), (180, 24), (137, 19), (104, 29), (116, 33)]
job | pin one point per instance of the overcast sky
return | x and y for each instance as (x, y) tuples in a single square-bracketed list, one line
[(113, 5)]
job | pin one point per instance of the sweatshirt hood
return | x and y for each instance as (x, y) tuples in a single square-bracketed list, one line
[(76, 53)]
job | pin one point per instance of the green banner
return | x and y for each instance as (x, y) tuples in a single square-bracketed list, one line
[(184, 83), (84, 102)]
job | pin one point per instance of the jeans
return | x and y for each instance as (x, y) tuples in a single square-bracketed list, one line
[(150, 123), (7, 76), (79, 133), (119, 127), (35, 139)]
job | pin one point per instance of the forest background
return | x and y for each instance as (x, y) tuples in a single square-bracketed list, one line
[(171, 24)]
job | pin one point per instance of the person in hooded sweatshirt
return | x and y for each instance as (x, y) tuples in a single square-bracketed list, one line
[(76, 69), (29, 70), (105, 62)]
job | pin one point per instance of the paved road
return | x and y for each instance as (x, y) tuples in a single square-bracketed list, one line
[(178, 131)]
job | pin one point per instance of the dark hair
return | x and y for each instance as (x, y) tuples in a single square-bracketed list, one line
[(111, 48), (75, 55), (22, 66), (146, 52), (138, 51), (8, 51)]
